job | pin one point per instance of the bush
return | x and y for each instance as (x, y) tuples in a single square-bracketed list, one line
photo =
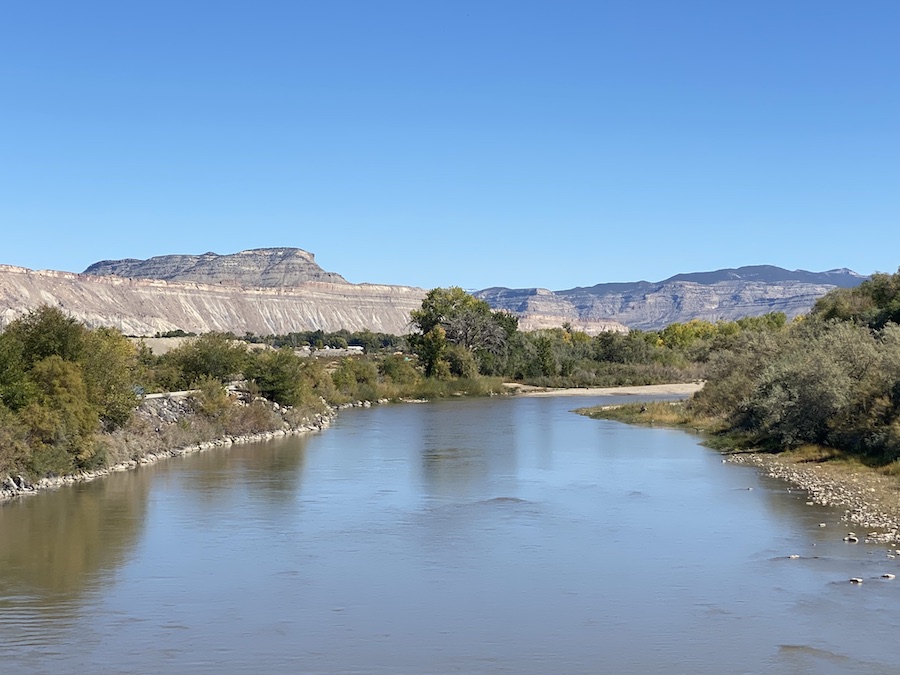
[(356, 379), (213, 355), (13, 444), (731, 375), (398, 369), (279, 376), (211, 400), (461, 362), (61, 419)]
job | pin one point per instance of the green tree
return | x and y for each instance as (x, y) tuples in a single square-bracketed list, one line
[(770, 321), (61, 421), (15, 388), (546, 356), (442, 304), (280, 376), (616, 347), (451, 317), (431, 348), (875, 302), (111, 368), (213, 354), (48, 331)]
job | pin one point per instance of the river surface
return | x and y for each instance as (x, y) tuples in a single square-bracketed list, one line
[(468, 536)]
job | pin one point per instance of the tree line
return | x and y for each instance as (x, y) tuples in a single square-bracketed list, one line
[(66, 389), (832, 377), (457, 335)]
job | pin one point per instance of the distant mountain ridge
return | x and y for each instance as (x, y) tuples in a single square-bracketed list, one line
[(770, 274), (725, 294), (280, 290)]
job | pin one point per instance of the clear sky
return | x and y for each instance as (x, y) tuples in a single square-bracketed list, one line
[(435, 143)]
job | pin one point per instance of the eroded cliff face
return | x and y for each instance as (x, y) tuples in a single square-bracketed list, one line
[(651, 306), (681, 301), (539, 308), (266, 291), (256, 268), (145, 307)]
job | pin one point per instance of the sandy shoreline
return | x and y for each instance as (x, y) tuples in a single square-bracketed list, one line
[(680, 389)]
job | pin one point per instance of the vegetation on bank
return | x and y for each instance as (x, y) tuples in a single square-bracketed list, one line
[(455, 334), (650, 413), (827, 386), (68, 393)]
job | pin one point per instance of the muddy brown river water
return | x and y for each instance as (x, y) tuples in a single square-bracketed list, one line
[(469, 536)]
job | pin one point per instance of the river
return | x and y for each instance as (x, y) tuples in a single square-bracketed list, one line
[(466, 536)]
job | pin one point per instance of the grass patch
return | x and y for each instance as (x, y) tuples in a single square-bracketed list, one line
[(651, 413), (432, 388), (717, 434), (728, 442), (892, 469), (810, 453)]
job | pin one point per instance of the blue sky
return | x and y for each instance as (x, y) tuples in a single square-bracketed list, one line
[(436, 143)]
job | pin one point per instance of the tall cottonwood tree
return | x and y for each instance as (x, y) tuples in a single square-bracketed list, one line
[(451, 318)]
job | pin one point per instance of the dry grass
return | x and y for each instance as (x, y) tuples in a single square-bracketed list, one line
[(811, 453), (662, 413), (892, 469)]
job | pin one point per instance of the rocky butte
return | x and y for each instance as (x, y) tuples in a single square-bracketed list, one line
[(280, 290), (257, 268), (264, 291)]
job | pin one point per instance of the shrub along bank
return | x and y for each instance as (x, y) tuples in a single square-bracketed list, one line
[(70, 395), (826, 387)]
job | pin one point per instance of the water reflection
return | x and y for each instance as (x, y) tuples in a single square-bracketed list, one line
[(461, 461), (270, 471), (57, 544)]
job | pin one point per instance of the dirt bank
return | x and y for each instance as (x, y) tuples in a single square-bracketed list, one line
[(151, 441)]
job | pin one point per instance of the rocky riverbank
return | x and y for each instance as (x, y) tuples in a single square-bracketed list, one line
[(19, 486), (158, 417), (870, 500)]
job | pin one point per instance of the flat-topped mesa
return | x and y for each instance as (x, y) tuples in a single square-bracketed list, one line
[(149, 306), (255, 268)]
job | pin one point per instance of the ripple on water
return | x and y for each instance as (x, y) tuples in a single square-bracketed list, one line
[(806, 658)]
